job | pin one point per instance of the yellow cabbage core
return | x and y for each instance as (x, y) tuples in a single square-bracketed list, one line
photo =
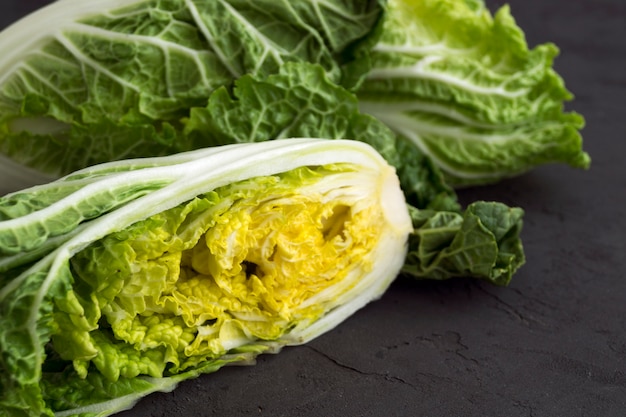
[(250, 272), (254, 268)]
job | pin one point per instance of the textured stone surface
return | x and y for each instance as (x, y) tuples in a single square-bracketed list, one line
[(551, 344)]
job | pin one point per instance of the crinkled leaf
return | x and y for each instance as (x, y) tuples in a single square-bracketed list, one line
[(482, 242), (113, 80), (464, 87)]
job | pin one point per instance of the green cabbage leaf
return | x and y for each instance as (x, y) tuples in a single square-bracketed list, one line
[(482, 242), (106, 80), (464, 87)]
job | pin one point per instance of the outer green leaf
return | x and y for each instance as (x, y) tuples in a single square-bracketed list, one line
[(96, 396), (482, 242), (299, 101), (464, 88), (109, 79)]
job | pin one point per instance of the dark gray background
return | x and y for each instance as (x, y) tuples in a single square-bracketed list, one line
[(553, 343)]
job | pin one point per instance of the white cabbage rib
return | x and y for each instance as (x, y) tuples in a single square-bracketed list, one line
[(59, 15)]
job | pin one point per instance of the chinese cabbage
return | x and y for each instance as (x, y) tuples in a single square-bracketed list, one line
[(125, 278)]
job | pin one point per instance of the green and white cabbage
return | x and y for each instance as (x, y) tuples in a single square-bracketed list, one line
[(463, 86), (106, 80), (128, 277)]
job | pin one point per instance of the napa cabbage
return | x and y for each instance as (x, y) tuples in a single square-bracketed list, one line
[(107, 79), (128, 277)]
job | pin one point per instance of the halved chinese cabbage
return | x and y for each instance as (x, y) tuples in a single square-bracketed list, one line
[(125, 278)]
